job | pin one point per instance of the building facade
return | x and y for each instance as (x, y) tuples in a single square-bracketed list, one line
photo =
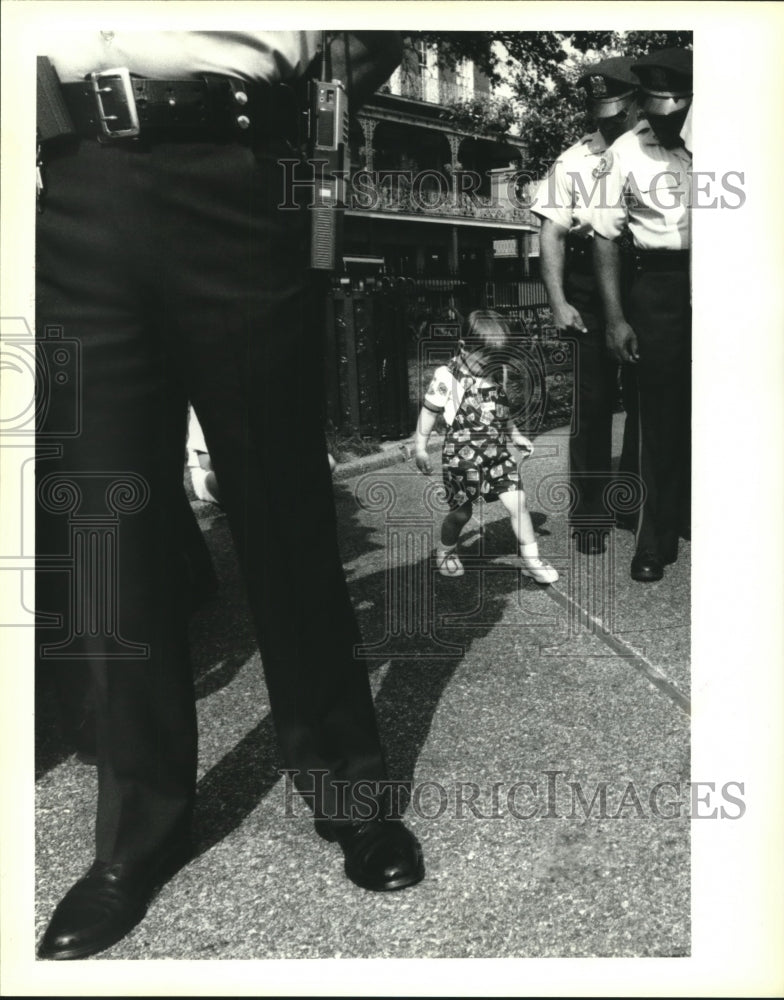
[(435, 186), (436, 225)]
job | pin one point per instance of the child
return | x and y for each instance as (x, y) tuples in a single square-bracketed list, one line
[(476, 462)]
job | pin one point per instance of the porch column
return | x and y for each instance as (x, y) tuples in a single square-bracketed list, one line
[(368, 126), (525, 245), (454, 259), (489, 260), (454, 145)]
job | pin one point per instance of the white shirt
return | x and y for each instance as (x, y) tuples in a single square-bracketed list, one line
[(563, 196), (446, 390), (686, 131), (273, 56), (657, 185)]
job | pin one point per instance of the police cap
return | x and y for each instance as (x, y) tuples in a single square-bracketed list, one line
[(665, 81), (610, 85)]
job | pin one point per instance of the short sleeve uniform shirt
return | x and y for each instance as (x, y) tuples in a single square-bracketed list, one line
[(565, 195), (647, 186)]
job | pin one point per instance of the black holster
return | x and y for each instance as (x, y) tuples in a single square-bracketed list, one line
[(53, 119)]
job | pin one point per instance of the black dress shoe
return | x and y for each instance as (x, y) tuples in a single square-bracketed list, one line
[(669, 554), (104, 905), (647, 567), (668, 549), (381, 854)]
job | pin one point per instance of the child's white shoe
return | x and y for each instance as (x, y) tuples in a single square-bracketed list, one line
[(448, 561), (538, 569)]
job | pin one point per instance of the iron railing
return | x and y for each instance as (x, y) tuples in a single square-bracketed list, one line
[(373, 331)]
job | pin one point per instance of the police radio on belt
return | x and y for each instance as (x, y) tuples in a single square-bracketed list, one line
[(328, 142)]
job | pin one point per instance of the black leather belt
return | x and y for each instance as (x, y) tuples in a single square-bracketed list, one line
[(113, 105), (661, 260)]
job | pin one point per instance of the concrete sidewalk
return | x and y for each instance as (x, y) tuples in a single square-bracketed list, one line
[(545, 729)]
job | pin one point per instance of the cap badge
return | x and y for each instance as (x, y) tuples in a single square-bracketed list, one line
[(598, 87)]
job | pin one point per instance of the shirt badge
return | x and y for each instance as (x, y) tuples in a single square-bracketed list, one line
[(604, 166)]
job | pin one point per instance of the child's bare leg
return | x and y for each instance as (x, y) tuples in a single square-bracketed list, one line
[(523, 527), (447, 559), (454, 522)]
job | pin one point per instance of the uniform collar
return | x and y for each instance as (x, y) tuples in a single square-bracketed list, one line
[(646, 133), (648, 138), (594, 143)]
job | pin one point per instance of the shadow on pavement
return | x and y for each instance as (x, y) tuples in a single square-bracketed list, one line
[(222, 641)]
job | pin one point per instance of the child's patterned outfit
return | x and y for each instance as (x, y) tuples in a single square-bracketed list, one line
[(476, 462)]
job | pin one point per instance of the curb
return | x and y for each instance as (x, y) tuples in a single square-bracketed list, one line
[(392, 453)]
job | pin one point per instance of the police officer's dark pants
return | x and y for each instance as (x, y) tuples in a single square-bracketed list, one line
[(596, 390), (660, 314), (71, 680), (176, 275)]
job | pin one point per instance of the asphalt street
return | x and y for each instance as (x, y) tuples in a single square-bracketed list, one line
[(543, 733)]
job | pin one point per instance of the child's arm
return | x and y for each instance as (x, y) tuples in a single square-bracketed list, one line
[(439, 392), (519, 440), (425, 425)]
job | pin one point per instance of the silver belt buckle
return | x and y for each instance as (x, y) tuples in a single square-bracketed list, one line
[(130, 129)]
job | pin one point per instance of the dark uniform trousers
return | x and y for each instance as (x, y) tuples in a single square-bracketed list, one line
[(659, 311), (595, 395), (173, 269)]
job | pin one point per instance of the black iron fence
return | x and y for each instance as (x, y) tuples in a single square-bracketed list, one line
[(373, 331), (523, 303), (366, 362)]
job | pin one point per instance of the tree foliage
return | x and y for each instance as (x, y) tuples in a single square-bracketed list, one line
[(541, 69), (482, 114)]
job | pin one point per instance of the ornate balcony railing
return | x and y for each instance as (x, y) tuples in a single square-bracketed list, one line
[(403, 195)]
